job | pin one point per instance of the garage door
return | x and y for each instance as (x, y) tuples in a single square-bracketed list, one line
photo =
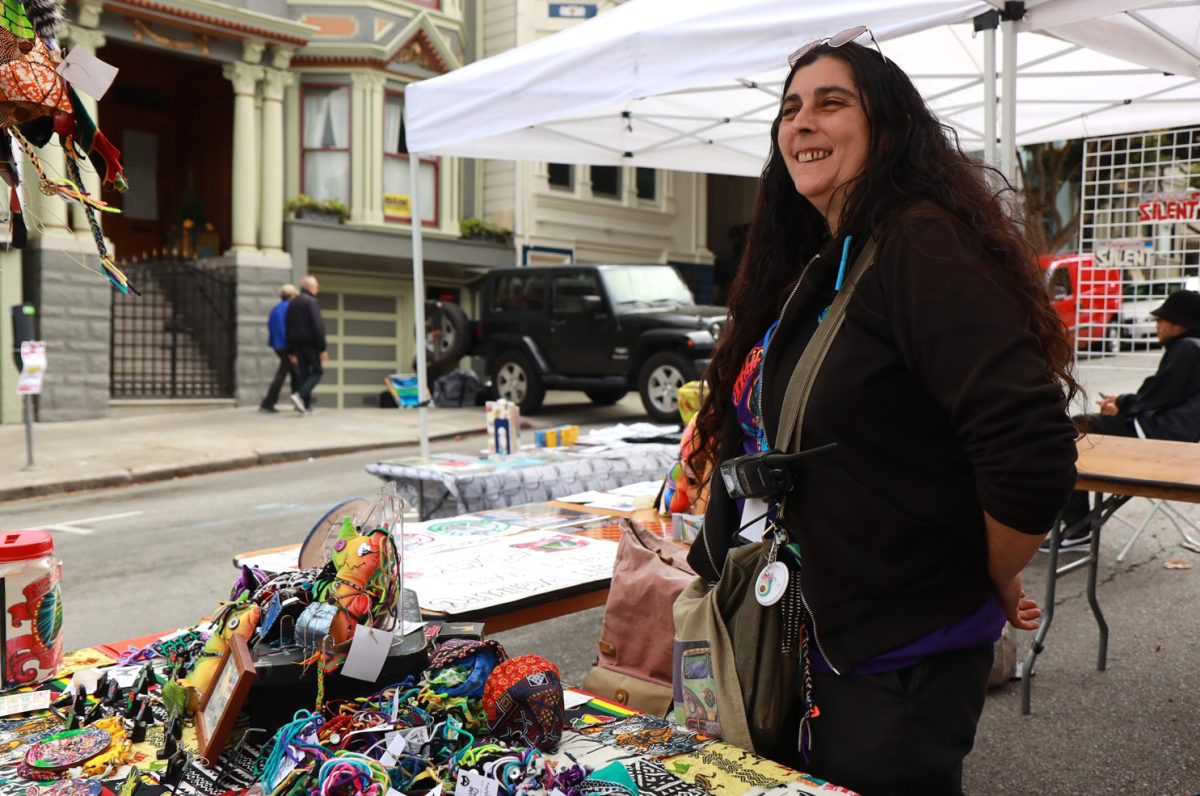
[(369, 326)]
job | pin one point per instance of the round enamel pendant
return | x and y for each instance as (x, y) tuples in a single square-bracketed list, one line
[(771, 583)]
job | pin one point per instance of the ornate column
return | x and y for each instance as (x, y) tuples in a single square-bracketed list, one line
[(366, 147), (89, 39), (275, 79), (244, 207)]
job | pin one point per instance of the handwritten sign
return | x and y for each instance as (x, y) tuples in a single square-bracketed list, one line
[(509, 569)]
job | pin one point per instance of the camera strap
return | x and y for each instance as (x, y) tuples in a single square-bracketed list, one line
[(804, 375)]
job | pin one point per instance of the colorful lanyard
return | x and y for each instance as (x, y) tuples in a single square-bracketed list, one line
[(763, 445)]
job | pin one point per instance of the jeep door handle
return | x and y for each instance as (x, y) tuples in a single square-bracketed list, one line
[(555, 324)]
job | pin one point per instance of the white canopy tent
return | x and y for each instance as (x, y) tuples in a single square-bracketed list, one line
[(694, 85)]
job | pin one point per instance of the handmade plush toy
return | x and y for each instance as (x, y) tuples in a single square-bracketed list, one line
[(684, 492), (239, 618), (362, 591)]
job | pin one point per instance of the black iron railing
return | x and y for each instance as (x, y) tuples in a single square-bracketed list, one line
[(178, 339)]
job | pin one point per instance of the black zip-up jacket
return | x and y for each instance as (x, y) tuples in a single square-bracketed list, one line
[(305, 327), (942, 408), (1167, 405)]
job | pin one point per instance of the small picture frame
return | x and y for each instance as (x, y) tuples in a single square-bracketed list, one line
[(221, 703)]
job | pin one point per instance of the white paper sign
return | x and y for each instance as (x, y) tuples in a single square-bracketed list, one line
[(25, 702), (368, 651), (33, 367), (754, 512), (87, 73), (573, 698), (509, 569)]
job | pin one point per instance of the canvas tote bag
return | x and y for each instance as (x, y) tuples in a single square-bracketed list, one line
[(634, 662), (731, 677)]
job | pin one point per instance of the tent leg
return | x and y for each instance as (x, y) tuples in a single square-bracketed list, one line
[(414, 190), (989, 97), (1008, 101)]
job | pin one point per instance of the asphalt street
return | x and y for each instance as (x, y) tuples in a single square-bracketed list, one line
[(149, 558)]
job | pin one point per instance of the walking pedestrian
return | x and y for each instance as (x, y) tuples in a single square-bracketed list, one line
[(277, 340), (306, 341)]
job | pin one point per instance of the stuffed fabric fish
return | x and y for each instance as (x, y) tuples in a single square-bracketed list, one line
[(239, 618)]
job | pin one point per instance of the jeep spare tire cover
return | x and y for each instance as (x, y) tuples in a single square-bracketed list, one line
[(447, 331)]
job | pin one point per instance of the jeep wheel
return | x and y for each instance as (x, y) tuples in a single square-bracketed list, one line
[(516, 379), (447, 332), (605, 396), (659, 383)]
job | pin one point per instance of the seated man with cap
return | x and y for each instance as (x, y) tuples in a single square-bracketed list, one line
[(1166, 406)]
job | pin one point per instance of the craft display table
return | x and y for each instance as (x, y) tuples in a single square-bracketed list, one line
[(480, 568), (658, 757), (1115, 469), (444, 486)]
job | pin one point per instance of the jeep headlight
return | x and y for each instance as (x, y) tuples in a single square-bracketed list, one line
[(715, 329)]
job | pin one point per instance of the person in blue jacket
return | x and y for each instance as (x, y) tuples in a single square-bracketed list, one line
[(277, 340)]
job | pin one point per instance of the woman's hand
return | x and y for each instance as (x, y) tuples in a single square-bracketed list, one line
[(1022, 611), (1009, 551)]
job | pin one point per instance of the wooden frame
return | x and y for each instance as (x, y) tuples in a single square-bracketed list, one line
[(221, 703)]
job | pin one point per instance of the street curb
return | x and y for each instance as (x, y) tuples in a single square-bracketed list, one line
[(241, 462), (130, 478)]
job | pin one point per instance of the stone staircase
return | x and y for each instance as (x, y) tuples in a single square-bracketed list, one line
[(142, 341)]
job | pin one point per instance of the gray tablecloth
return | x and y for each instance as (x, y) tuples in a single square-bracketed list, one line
[(439, 493)]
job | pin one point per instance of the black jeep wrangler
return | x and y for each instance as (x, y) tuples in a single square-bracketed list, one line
[(602, 329)]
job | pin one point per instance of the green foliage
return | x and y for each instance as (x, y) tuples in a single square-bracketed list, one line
[(335, 207), (478, 229)]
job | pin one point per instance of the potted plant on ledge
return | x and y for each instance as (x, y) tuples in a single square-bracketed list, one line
[(329, 211), (478, 229)]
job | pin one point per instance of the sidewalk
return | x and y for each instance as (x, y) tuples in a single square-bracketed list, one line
[(92, 454)]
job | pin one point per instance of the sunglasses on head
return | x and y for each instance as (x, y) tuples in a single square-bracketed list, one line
[(836, 40)]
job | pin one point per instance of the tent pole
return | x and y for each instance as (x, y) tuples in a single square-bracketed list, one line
[(989, 96), (418, 258), (1008, 100)]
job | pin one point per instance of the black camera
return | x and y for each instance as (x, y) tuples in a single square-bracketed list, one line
[(768, 475)]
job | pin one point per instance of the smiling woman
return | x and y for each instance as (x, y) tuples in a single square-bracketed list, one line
[(823, 135), (941, 374)]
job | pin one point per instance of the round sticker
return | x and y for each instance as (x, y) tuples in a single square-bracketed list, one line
[(771, 584)]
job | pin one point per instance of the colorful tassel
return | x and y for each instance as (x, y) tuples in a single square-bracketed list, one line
[(93, 143)]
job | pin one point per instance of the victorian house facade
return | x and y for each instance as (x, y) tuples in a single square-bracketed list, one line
[(229, 112)]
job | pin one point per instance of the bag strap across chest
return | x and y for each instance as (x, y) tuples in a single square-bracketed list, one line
[(804, 375)]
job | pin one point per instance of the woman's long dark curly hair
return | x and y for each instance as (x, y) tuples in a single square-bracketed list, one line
[(912, 158)]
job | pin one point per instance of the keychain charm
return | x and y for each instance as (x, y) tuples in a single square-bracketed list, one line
[(772, 581)]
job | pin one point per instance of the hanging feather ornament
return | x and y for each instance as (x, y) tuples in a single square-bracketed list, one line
[(46, 18)]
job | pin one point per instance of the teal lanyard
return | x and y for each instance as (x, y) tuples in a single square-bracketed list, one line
[(837, 286)]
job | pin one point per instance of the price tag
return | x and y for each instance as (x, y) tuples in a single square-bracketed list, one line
[(87, 73), (368, 651), (472, 783)]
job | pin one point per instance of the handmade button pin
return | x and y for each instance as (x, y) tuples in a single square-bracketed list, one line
[(772, 582)]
